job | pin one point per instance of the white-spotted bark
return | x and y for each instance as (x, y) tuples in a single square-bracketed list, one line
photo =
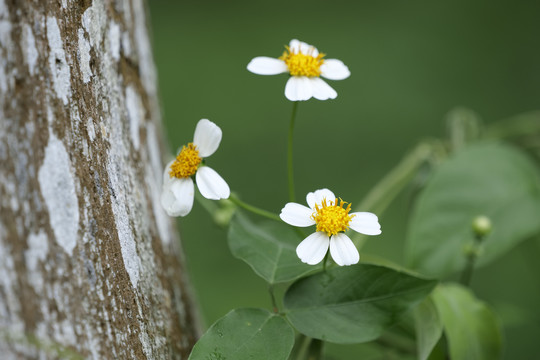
[(89, 262)]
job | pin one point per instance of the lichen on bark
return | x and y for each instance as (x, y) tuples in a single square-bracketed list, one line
[(90, 264)]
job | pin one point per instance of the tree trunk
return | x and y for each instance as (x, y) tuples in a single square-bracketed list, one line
[(90, 265)]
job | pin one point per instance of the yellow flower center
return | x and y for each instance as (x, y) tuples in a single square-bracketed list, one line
[(186, 163), (332, 218), (302, 64)]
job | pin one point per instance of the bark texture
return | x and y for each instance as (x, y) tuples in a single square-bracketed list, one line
[(89, 262)]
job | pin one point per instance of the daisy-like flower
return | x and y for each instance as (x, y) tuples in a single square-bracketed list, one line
[(332, 219), (305, 65), (178, 188)]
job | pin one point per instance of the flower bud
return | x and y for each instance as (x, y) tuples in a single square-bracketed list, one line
[(223, 215), (481, 226)]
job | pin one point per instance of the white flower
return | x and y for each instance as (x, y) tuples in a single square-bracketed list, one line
[(332, 219), (178, 189), (305, 65)]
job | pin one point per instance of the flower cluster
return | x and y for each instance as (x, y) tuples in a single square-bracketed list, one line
[(331, 215)]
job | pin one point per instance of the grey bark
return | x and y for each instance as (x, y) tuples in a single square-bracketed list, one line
[(90, 265)]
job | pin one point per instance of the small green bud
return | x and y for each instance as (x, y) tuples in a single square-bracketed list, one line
[(224, 214), (481, 226)]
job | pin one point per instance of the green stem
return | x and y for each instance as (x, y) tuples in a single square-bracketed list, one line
[(467, 273), (300, 346), (273, 298), (391, 185), (387, 189), (516, 126), (466, 276), (253, 209), (464, 128), (290, 166), (306, 348), (325, 261)]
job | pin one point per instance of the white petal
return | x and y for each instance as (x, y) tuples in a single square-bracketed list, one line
[(207, 137), (211, 185), (166, 176), (264, 65), (177, 196), (298, 88), (365, 223), (318, 196), (297, 215), (343, 250), (294, 45), (313, 248), (321, 90), (334, 69), (304, 48)]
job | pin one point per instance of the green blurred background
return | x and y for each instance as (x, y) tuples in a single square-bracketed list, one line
[(411, 63)]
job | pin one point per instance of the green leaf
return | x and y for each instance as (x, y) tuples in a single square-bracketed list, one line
[(269, 248), (246, 334), (471, 328), (489, 179), (352, 304), (428, 327)]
